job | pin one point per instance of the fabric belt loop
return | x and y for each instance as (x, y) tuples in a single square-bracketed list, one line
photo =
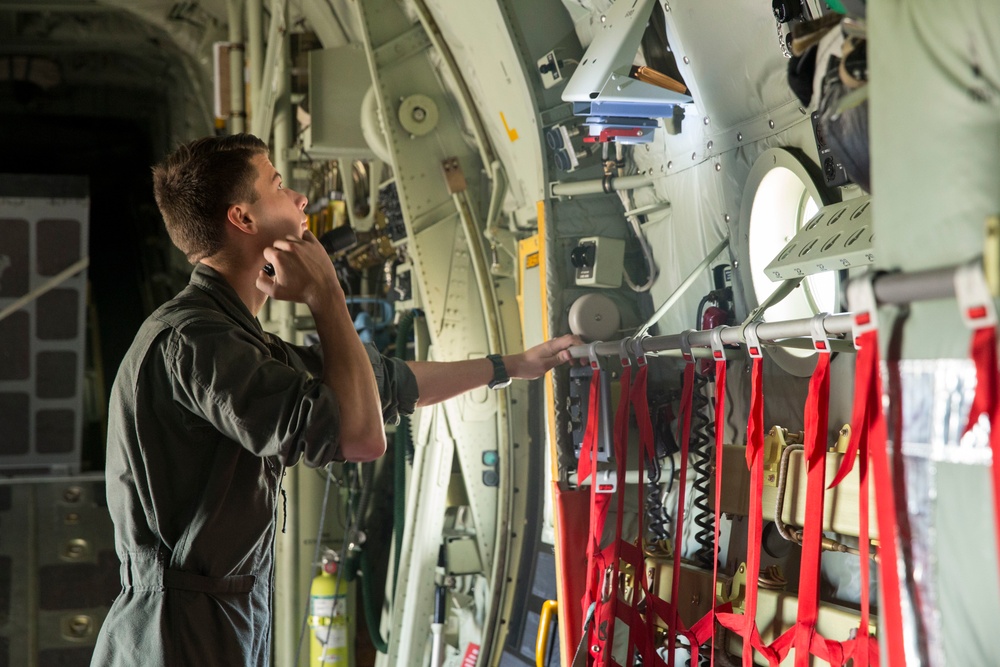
[(187, 581)]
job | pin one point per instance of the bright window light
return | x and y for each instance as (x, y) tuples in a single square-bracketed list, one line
[(781, 206)]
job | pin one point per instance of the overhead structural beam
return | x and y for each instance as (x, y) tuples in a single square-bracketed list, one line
[(237, 101), (255, 44), (274, 69)]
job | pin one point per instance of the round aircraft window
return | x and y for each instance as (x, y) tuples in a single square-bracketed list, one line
[(779, 198)]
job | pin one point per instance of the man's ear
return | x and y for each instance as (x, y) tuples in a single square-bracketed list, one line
[(238, 215)]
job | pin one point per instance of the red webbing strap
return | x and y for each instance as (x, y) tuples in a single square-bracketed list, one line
[(803, 635), (817, 407), (978, 311), (984, 352), (720, 437), (885, 506), (746, 624), (863, 649), (904, 533), (868, 444), (674, 620), (641, 630), (602, 638), (598, 501)]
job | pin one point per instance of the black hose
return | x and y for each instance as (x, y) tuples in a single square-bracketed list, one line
[(702, 446), (657, 520), (368, 598)]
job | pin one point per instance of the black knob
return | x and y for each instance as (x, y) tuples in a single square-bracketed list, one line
[(582, 256), (554, 138), (786, 10), (563, 161)]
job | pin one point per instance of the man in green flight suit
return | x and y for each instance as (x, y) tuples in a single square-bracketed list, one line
[(207, 409)]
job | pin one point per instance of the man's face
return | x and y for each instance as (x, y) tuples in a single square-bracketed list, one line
[(278, 211)]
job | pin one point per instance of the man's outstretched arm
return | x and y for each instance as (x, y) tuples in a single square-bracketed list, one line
[(440, 380)]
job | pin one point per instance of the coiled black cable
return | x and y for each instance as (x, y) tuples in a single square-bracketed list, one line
[(657, 521), (702, 446)]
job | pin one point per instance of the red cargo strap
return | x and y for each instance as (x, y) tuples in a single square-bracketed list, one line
[(746, 624), (720, 438), (604, 629), (674, 620), (979, 314), (803, 635), (596, 564)]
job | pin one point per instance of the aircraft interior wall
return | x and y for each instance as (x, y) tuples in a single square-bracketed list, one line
[(465, 158)]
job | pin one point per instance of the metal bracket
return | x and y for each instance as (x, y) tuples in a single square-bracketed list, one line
[(974, 299), (820, 339), (861, 298), (686, 346), (718, 349), (752, 340), (453, 175)]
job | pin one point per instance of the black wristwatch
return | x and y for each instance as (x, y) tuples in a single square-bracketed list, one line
[(500, 377)]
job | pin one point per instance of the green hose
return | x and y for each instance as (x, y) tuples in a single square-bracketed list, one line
[(368, 596), (403, 445)]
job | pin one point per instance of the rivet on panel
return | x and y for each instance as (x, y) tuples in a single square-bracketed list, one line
[(726, 216), (603, 18), (739, 136), (687, 61), (705, 120), (710, 144), (74, 549), (694, 155), (79, 626), (802, 110), (670, 164), (770, 124), (718, 167)]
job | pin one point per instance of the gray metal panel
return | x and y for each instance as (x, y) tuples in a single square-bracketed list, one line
[(338, 80), (59, 570), (42, 345)]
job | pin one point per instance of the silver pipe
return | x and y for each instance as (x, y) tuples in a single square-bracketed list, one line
[(600, 185), (255, 44), (767, 331), (237, 101), (890, 289), (683, 287), (56, 479), (900, 288)]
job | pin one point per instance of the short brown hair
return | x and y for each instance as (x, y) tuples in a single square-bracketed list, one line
[(197, 183)]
